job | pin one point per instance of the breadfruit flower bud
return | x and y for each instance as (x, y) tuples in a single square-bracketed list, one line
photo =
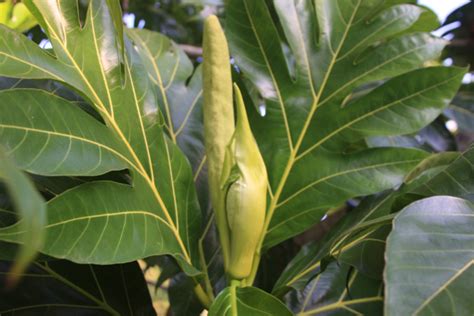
[(244, 180), (218, 117)]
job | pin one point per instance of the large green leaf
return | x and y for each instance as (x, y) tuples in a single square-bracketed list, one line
[(430, 258), (308, 262), (247, 301), (170, 70), (159, 213), (306, 76), (60, 287), (445, 173), (363, 249)]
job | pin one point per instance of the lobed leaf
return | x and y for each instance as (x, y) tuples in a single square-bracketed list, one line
[(305, 59), (161, 208)]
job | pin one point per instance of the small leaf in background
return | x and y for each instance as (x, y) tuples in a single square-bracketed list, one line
[(31, 210), (430, 258), (461, 109), (183, 301), (455, 179), (341, 290), (312, 258)]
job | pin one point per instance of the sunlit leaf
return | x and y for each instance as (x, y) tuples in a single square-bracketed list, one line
[(159, 213)]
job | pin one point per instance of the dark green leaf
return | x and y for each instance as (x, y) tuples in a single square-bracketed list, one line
[(183, 301), (308, 262), (444, 173), (64, 288), (456, 179), (340, 290)]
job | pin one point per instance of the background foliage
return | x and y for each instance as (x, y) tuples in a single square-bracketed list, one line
[(349, 126)]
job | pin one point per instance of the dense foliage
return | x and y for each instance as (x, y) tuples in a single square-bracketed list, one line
[(103, 163)]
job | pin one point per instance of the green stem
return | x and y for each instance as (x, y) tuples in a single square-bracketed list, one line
[(202, 296), (233, 296)]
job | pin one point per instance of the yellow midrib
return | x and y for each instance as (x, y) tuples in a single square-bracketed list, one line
[(160, 86), (293, 153), (140, 169), (342, 304), (280, 99)]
